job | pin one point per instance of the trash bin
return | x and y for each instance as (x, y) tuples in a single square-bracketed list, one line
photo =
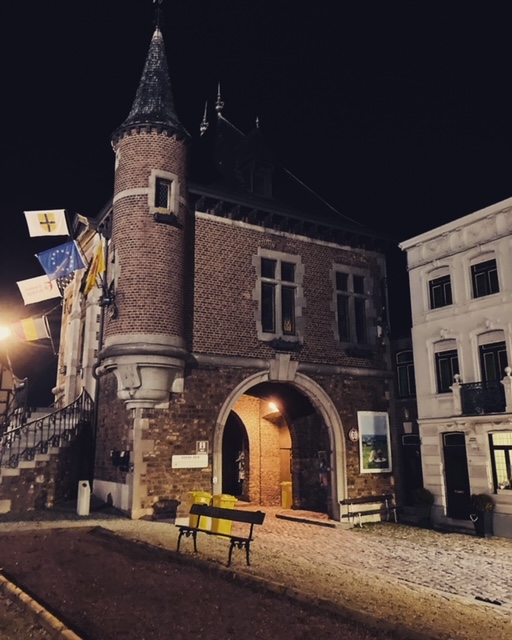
[(200, 497), (286, 495), (83, 503), (226, 502)]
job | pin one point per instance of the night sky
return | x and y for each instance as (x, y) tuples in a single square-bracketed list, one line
[(397, 113)]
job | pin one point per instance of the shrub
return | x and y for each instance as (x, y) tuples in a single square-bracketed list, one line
[(482, 502), (423, 497)]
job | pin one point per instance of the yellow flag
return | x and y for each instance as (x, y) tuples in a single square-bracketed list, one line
[(31, 329), (96, 268)]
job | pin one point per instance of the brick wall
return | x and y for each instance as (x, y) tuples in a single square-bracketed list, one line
[(149, 255), (192, 416), (224, 312)]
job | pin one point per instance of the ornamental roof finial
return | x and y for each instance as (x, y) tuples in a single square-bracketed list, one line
[(204, 124), (219, 105)]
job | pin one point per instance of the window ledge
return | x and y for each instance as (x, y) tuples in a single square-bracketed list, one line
[(279, 344), (359, 352), (166, 218)]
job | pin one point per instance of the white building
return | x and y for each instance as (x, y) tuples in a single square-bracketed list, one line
[(461, 298)]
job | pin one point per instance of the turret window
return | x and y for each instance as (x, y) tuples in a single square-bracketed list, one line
[(162, 193)]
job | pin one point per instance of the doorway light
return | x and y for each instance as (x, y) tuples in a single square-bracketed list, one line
[(273, 407)]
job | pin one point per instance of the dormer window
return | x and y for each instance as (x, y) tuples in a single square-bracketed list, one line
[(258, 179)]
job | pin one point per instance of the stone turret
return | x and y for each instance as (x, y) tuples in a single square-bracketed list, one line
[(144, 328)]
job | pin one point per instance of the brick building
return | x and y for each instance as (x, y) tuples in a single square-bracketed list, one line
[(239, 328)]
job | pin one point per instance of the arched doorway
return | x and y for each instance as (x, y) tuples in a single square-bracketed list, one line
[(291, 441), (235, 453)]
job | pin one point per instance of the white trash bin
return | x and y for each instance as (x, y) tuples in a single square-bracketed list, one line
[(84, 498)]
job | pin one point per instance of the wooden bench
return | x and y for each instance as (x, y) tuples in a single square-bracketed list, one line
[(386, 507), (203, 511)]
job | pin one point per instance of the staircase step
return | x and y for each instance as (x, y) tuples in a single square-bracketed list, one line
[(7, 471), (26, 464), (5, 506)]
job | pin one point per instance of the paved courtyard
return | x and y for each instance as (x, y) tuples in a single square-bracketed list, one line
[(399, 577)]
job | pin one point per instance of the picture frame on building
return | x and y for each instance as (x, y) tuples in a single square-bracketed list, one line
[(374, 442)]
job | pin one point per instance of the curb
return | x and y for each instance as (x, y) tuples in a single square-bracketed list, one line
[(50, 623)]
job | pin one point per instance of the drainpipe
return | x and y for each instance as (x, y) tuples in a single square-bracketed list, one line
[(103, 303)]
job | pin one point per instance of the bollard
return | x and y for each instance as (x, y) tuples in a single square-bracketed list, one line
[(83, 503)]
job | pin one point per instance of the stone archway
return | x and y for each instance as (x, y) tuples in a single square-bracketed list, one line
[(321, 402)]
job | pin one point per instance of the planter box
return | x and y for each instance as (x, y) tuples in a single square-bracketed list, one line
[(483, 522)]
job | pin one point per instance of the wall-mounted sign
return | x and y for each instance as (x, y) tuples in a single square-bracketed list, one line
[(353, 435), (374, 442), (197, 461), (201, 446)]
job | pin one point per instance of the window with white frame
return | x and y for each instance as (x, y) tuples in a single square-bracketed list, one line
[(447, 366), (440, 291), (279, 295), (351, 306), (484, 278), (501, 458)]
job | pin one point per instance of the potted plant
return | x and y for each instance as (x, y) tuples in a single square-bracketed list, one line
[(483, 506), (423, 501)]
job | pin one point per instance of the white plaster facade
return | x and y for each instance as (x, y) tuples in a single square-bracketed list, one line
[(461, 310)]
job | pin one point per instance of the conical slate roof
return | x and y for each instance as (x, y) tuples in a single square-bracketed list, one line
[(154, 104)]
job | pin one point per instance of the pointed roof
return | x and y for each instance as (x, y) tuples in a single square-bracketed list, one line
[(154, 104)]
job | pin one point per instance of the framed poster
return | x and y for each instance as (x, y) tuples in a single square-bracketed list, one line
[(374, 442)]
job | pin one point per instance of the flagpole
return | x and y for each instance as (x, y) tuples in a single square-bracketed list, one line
[(47, 325)]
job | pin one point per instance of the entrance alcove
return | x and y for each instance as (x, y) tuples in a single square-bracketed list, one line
[(284, 440)]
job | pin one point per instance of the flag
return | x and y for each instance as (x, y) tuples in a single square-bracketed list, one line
[(31, 329), (38, 289), (47, 223), (61, 261), (96, 268)]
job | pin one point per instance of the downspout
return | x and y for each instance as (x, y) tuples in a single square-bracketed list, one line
[(104, 302)]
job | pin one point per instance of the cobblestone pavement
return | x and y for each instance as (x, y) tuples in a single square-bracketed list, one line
[(454, 563), (379, 569)]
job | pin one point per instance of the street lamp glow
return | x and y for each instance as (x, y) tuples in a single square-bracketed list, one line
[(5, 332)]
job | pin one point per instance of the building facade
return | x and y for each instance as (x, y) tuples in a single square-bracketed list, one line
[(238, 328), (461, 297)]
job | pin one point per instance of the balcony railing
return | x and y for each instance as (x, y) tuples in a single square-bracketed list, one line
[(478, 398), (481, 398)]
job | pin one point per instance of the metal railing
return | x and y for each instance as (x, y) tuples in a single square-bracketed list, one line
[(14, 408), (479, 398), (22, 443)]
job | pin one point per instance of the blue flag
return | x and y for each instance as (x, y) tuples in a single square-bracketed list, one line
[(61, 261)]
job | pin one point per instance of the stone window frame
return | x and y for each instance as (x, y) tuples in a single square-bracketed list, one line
[(300, 303), (370, 337), (174, 192)]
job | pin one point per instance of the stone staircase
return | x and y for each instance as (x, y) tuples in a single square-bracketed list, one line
[(43, 458)]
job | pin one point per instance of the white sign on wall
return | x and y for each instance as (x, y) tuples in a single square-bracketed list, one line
[(192, 461)]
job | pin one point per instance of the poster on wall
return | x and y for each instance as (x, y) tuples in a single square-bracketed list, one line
[(374, 442)]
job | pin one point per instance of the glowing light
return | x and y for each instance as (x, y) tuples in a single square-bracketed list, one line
[(5, 332), (273, 407)]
